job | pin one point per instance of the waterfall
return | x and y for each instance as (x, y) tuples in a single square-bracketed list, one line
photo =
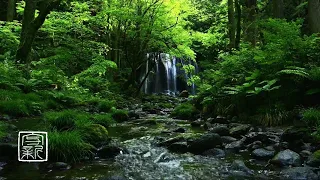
[(165, 75)]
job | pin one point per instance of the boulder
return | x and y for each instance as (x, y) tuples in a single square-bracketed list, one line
[(216, 152), (178, 147), (196, 123), (239, 165), (299, 173), (96, 135), (314, 159), (168, 142), (287, 158), (222, 130), (179, 130), (204, 142), (235, 146), (240, 130), (254, 145), (109, 151), (295, 136), (133, 115), (262, 154), (184, 94), (228, 139), (305, 154)]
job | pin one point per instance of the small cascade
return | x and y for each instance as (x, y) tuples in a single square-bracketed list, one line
[(166, 74)]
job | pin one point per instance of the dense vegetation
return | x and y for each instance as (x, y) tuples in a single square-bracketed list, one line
[(75, 63)]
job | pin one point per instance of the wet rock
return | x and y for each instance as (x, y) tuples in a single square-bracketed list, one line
[(240, 130), (59, 166), (180, 130), (314, 159), (8, 151), (133, 115), (178, 147), (222, 130), (1, 166), (295, 136), (112, 178), (216, 152), (235, 146), (109, 151), (262, 154), (269, 148), (221, 119), (256, 136), (228, 139), (196, 123), (205, 142), (254, 145), (239, 165), (207, 126), (287, 158), (305, 154), (299, 173), (184, 94), (170, 141)]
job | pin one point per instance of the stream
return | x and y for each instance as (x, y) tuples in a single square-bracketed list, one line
[(144, 159)]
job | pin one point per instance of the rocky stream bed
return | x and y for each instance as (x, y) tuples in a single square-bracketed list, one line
[(154, 146)]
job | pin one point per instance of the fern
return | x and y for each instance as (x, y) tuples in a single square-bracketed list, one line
[(297, 71)]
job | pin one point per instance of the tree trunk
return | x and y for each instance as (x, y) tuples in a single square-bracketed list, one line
[(314, 15), (11, 10), (232, 24), (31, 25), (238, 25), (278, 8), (250, 30)]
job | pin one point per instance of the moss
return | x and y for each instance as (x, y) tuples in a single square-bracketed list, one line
[(103, 119), (120, 115), (166, 105), (3, 130), (316, 154), (105, 106), (64, 120), (68, 146), (95, 134), (185, 111), (311, 117)]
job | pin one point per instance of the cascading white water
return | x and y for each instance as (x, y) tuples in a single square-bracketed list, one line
[(165, 75)]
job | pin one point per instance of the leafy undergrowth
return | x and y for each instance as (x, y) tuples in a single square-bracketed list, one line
[(185, 111)]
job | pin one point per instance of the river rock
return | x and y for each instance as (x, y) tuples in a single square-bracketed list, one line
[(299, 173), (287, 158), (8, 151), (239, 165), (133, 115), (262, 154), (180, 130), (109, 151), (196, 123), (240, 130), (295, 136), (112, 178), (184, 94), (204, 142), (216, 152), (59, 166), (170, 141), (305, 154), (235, 146), (222, 130), (228, 139), (179, 147), (314, 159)]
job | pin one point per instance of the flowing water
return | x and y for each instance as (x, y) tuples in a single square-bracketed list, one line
[(167, 75), (143, 159)]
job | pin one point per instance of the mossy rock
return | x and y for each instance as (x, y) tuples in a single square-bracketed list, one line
[(314, 159), (103, 119), (95, 134), (120, 115), (185, 111), (105, 106)]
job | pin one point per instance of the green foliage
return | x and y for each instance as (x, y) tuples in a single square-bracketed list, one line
[(3, 129), (311, 117), (185, 111), (105, 105), (68, 146), (61, 121), (103, 119), (120, 115)]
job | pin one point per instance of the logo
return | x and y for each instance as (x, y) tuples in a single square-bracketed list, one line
[(32, 146)]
